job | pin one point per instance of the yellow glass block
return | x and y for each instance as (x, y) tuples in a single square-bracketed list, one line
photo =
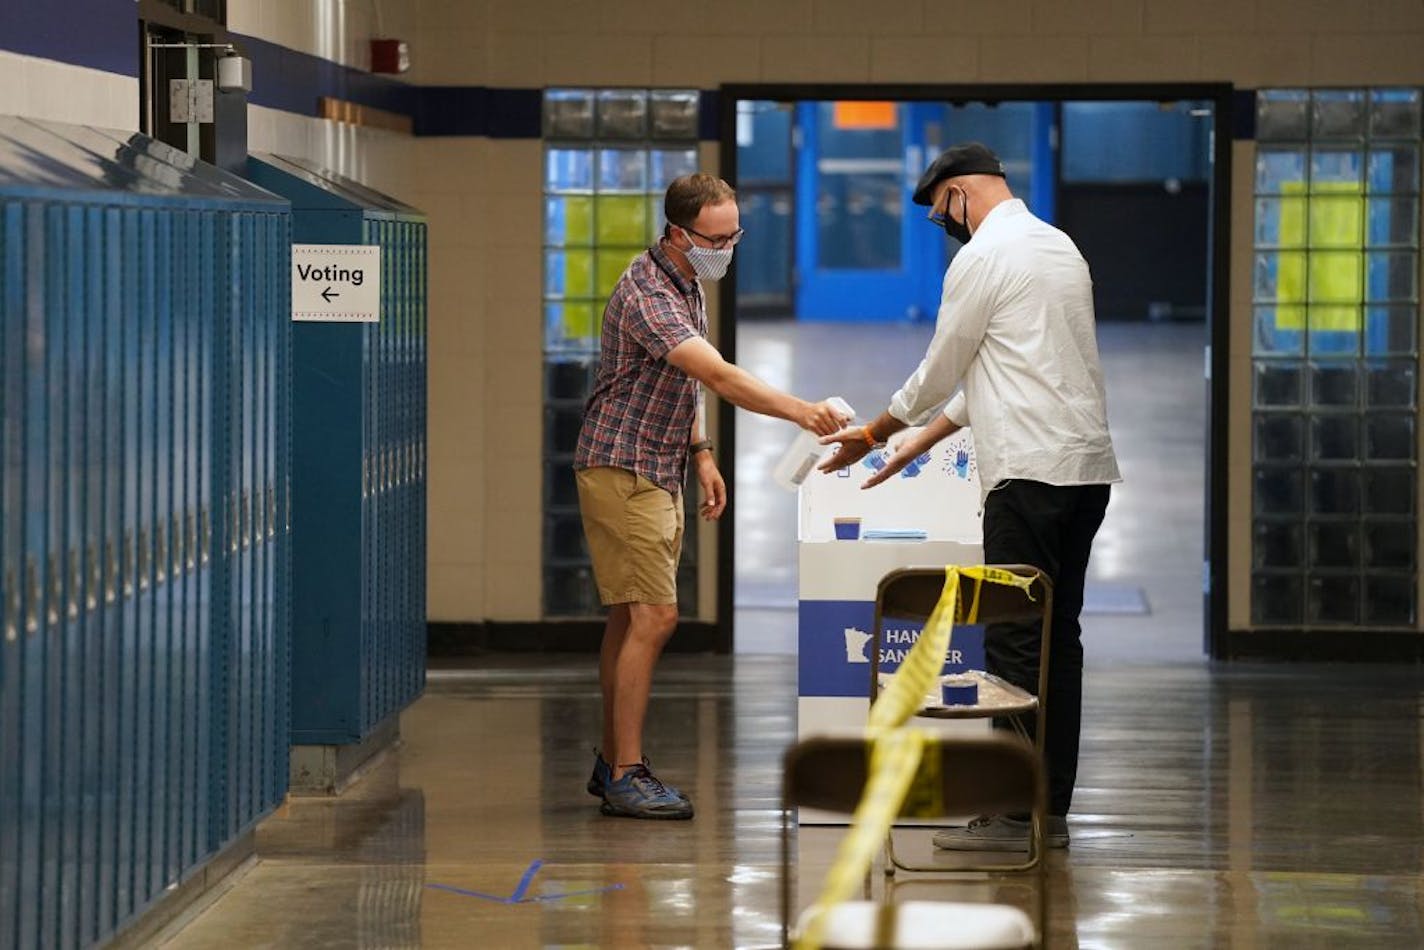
[(1336, 277), (580, 320), (1333, 319), (1290, 277), (578, 274), (1337, 222), (612, 262), (622, 219), (1290, 231), (578, 219), (1290, 317)]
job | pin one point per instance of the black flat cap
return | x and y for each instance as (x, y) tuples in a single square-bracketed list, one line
[(968, 158)]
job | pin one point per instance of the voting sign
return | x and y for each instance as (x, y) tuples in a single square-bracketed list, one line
[(336, 283)]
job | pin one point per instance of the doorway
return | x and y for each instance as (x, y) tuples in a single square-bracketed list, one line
[(1137, 176)]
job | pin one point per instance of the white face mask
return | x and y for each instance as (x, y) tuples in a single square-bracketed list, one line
[(707, 262)]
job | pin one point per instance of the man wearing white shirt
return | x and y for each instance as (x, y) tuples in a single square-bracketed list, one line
[(1016, 337)]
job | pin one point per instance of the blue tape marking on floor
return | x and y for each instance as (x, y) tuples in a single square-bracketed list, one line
[(523, 888), (524, 881), (461, 890)]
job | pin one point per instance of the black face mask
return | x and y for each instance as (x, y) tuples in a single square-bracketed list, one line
[(956, 230)]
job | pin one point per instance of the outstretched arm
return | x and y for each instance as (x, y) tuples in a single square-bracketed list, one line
[(700, 360), (939, 428)]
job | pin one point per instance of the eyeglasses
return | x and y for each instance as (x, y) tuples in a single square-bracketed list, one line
[(720, 241)]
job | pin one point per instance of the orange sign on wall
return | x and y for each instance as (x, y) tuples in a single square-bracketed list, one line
[(866, 115)]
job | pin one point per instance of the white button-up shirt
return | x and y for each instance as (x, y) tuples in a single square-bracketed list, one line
[(1016, 329)]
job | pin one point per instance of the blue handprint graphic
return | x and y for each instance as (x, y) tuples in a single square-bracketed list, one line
[(961, 464), (913, 468)]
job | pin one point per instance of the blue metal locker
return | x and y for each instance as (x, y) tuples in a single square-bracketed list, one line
[(144, 306), (358, 496), (12, 350)]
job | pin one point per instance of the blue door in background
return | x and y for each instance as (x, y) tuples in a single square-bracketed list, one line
[(858, 243), (863, 250)]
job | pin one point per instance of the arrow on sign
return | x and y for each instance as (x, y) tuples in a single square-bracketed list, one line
[(328, 293)]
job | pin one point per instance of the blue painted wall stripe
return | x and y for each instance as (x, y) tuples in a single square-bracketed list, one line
[(100, 34), (290, 80)]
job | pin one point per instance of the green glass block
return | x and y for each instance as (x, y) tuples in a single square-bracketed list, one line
[(568, 220), (612, 262), (1336, 277), (622, 219)]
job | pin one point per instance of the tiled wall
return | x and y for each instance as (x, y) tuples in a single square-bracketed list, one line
[(483, 195), (45, 89), (633, 42), (338, 30)]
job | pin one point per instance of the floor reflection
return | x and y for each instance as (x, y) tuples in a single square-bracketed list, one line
[(1252, 806)]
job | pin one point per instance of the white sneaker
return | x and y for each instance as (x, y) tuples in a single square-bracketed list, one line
[(1000, 833)]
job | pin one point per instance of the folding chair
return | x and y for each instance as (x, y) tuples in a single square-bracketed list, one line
[(911, 593), (996, 773)]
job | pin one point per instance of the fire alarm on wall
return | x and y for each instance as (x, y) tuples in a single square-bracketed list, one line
[(390, 56)]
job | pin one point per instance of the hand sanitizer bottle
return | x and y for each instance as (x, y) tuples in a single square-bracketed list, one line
[(804, 452)]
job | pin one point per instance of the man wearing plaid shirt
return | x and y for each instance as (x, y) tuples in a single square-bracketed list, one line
[(642, 424)]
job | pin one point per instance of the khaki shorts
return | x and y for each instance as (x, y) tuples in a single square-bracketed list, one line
[(634, 532)]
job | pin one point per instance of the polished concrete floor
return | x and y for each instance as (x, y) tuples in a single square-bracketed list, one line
[(1255, 806), (1241, 806)]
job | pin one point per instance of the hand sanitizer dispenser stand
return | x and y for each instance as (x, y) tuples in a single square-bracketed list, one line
[(937, 496)]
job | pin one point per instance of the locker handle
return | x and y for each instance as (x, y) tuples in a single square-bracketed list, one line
[(234, 526), (32, 584), (143, 559), (245, 516), (54, 582), (12, 606), (206, 542), (160, 559), (271, 512), (175, 544), (179, 565), (192, 538), (111, 572), (127, 559), (96, 576), (76, 583)]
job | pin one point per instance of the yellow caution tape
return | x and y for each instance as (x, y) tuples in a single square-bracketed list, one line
[(905, 771)]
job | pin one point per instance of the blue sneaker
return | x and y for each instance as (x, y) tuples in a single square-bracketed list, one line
[(639, 794), (598, 781)]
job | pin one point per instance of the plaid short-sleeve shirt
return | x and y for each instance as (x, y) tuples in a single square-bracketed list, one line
[(642, 409)]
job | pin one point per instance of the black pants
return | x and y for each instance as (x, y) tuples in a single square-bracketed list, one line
[(1050, 527)]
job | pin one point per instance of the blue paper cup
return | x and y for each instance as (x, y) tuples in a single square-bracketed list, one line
[(847, 529), (959, 694)]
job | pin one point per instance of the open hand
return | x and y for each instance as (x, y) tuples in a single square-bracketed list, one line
[(714, 489), (852, 447)]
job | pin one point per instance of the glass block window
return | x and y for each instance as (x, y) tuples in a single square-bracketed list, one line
[(609, 155), (1335, 358)]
